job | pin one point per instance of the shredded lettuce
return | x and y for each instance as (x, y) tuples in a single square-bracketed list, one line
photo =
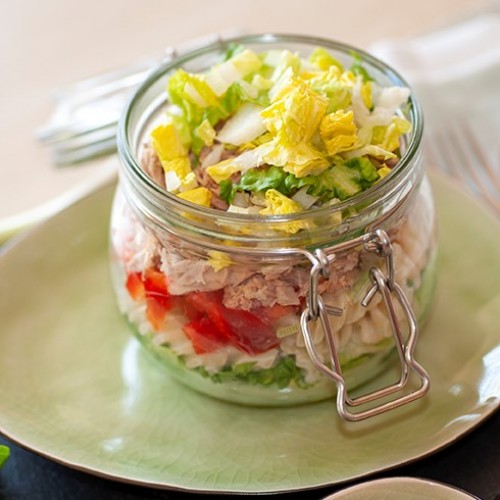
[(358, 69), (323, 60), (241, 64), (289, 123), (340, 181), (283, 374)]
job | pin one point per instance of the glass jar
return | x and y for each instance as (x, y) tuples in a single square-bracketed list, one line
[(275, 310)]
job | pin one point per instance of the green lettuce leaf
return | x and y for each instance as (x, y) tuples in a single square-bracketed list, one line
[(358, 69), (284, 373), (198, 103)]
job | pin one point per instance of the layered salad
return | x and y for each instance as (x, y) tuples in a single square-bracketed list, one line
[(265, 134)]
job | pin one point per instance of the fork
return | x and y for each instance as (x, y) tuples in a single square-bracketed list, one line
[(84, 123), (457, 152)]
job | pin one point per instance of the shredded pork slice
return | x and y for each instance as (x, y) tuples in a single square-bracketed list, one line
[(342, 273), (151, 164), (259, 290), (187, 275)]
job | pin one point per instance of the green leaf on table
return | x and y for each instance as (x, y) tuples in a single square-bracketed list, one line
[(4, 454)]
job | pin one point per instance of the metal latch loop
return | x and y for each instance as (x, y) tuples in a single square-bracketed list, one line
[(392, 294)]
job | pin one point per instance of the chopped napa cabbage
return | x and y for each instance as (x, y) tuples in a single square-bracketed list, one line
[(232, 50), (323, 60), (296, 127), (244, 126), (197, 102), (348, 180), (261, 83), (242, 210), (388, 101), (301, 159), (254, 181), (174, 183), (336, 89), (262, 179), (292, 120), (249, 159), (241, 64), (218, 260), (367, 94), (358, 69), (191, 92), (341, 181), (223, 170), (338, 132), (279, 204), (173, 156), (167, 143), (241, 92), (206, 133), (370, 150), (287, 61), (384, 171), (388, 136), (200, 196)]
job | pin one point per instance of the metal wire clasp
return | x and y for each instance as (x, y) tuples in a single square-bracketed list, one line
[(377, 241)]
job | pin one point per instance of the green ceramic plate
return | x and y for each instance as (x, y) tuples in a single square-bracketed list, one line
[(395, 488), (76, 387)]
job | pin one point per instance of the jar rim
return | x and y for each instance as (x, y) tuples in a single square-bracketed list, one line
[(388, 183)]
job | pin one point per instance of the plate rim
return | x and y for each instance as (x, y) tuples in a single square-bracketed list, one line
[(487, 410)]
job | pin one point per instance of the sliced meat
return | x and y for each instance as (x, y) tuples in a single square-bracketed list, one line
[(151, 164)]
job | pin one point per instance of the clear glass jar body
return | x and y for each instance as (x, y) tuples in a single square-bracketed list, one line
[(217, 296)]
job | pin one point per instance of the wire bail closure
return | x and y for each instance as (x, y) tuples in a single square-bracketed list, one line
[(378, 242)]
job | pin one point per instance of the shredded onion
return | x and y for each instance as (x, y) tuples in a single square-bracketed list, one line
[(213, 157), (241, 199), (303, 199)]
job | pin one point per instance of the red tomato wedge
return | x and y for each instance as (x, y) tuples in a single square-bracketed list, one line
[(135, 286), (152, 286), (204, 335), (272, 314), (239, 328)]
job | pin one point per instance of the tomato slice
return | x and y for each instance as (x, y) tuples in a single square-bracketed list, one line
[(151, 285), (155, 284), (272, 314), (135, 286), (204, 335), (207, 304), (248, 332), (240, 328)]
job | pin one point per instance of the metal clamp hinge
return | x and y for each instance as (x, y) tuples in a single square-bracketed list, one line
[(316, 309)]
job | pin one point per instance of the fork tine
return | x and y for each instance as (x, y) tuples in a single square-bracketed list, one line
[(70, 157), (453, 152), (475, 165), (491, 175)]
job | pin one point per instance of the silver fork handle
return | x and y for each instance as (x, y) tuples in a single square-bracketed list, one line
[(83, 124)]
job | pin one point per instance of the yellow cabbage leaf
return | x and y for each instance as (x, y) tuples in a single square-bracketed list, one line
[(279, 204), (323, 60), (222, 170), (206, 133), (167, 142), (218, 260), (200, 196), (292, 120), (339, 133), (388, 136)]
